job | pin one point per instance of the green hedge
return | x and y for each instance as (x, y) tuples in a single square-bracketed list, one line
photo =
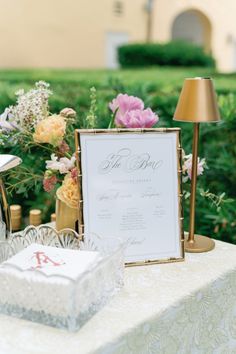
[(176, 53)]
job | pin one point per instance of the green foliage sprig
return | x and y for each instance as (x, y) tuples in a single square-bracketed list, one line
[(91, 118)]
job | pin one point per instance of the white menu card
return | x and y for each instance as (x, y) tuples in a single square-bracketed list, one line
[(130, 187)]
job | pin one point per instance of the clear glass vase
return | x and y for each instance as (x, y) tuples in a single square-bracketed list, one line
[(66, 217)]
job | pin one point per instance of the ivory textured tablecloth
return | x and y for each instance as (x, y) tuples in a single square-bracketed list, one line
[(187, 308)]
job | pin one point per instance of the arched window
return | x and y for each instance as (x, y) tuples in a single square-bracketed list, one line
[(192, 26)]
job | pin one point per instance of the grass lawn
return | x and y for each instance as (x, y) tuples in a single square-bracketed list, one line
[(160, 76)]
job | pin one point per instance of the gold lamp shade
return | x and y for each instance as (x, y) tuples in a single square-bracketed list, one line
[(197, 102)]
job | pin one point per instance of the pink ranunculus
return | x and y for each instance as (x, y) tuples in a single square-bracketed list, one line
[(74, 174), (49, 183), (139, 119), (125, 103), (63, 148)]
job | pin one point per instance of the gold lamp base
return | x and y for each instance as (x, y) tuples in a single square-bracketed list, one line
[(199, 245)]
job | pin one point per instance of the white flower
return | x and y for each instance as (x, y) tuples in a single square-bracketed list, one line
[(63, 165), (31, 106), (20, 92), (42, 84), (6, 122), (68, 164), (187, 166)]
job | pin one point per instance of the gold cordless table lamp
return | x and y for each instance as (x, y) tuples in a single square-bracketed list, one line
[(197, 104)]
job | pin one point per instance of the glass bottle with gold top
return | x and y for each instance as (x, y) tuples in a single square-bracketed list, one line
[(16, 217), (35, 217), (53, 217)]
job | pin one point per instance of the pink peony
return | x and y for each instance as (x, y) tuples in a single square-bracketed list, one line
[(139, 119), (124, 103)]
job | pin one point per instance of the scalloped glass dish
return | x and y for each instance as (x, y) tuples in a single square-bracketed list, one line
[(62, 302)]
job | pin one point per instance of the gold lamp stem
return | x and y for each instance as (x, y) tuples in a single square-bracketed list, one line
[(196, 243), (193, 182)]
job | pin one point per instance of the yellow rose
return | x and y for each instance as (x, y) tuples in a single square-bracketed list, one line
[(68, 192), (50, 130)]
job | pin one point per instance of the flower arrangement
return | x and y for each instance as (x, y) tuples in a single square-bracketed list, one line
[(45, 141), (52, 130), (128, 112), (30, 124)]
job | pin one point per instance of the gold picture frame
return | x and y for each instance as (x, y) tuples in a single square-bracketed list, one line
[(81, 133)]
